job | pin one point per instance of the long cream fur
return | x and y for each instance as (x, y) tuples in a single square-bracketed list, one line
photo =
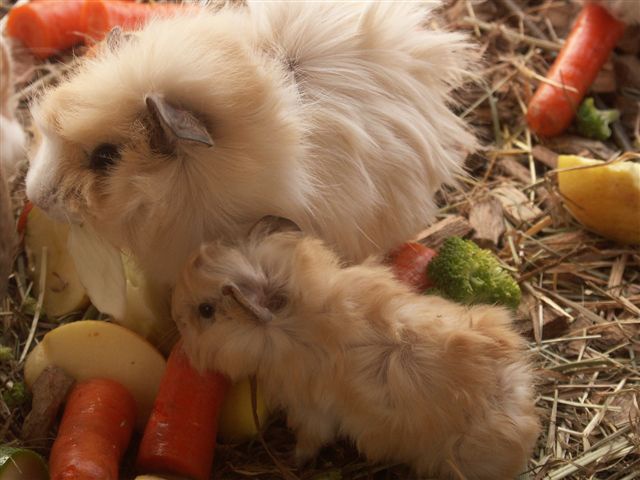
[(333, 114), (351, 351)]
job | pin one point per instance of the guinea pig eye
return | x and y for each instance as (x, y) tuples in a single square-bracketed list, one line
[(104, 156), (206, 310)]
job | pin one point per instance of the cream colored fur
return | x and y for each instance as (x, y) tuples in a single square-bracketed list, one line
[(409, 378), (333, 114)]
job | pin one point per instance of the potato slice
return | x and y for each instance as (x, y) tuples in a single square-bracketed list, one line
[(235, 423), (604, 198), (93, 349), (63, 291)]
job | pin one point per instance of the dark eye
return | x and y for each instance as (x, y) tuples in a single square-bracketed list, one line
[(206, 310), (104, 156)]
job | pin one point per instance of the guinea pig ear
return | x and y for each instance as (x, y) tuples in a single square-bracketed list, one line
[(116, 37), (175, 124), (250, 303), (272, 224)]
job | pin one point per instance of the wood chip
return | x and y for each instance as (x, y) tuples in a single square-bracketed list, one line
[(515, 169), (487, 220), (437, 233), (546, 156), (49, 393), (574, 145), (516, 205), (551, 326)]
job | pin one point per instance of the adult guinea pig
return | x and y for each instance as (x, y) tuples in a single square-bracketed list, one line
[(333, 114), (351, 351)]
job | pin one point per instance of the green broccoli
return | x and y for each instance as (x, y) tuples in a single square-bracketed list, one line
[(594, 123), (15, 395), (465, 273)]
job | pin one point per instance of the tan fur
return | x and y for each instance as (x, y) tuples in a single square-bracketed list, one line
[(410, 378), (332, 114), (12, 150)]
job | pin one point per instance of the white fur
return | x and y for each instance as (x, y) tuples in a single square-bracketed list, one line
[(409, 378), (351, 142)]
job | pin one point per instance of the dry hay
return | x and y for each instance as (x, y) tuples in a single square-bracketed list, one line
[(581, 306)]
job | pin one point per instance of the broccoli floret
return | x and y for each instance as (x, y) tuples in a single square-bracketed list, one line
[(465, 273), (15, 395), (594, 123)]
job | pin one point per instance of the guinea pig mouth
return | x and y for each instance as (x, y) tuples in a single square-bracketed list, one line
[(258, 312)]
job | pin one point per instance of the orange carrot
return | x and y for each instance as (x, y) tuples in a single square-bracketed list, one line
[(47, 26), (180, 436), (94, 433), (102, 15), (587, 48)]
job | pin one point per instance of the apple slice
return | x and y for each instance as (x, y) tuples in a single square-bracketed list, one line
[(235, 423), (63, 291), (147, 309), (97, 349), (21, 464), (100, 269)]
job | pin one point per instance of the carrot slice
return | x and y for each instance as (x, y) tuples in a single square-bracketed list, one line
[(48, 26), (94, 433), (587, 48), (180, 436), (101, 16)]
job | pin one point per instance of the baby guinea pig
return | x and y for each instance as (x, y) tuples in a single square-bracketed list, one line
[(334, 114), (351, 351)]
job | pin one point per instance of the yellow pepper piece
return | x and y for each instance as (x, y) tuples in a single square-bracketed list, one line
[(603, 198)]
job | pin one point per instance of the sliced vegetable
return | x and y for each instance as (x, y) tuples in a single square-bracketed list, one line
[(100, 269), (94, 432), (147, 309), (47, 26), (63, 291), (180, 436), (604, 198), (464, 272), (21, 464), (95, 349), (594, 123), (409, 263), (587, 48), (236, 423)]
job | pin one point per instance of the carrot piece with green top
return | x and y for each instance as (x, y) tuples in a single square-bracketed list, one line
[(592, 38)]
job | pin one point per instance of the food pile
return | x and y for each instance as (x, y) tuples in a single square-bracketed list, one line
[(111, 383)]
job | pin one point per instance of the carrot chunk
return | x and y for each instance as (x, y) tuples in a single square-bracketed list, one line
[(592, 38), (94, 432), (180, 436)]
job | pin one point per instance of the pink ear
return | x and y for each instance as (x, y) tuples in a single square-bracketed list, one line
[(260, 313), (176, 123)]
